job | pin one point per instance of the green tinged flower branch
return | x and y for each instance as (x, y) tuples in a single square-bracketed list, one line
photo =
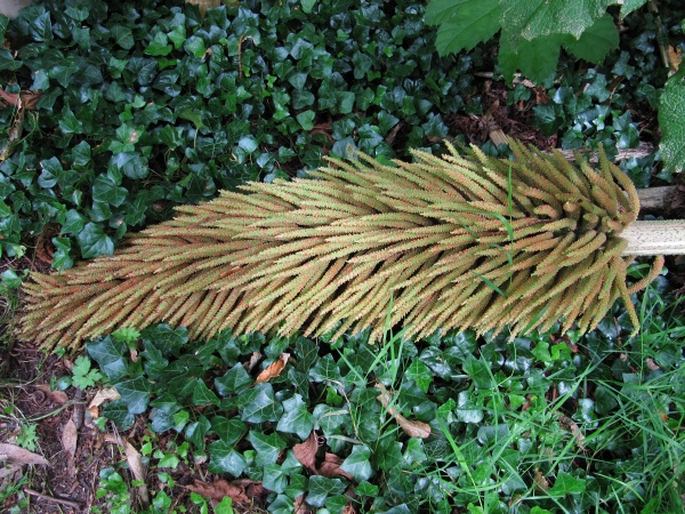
[(451, 242)]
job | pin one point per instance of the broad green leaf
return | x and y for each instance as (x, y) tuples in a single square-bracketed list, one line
[(296, 418), (123, 36), (463, 23), (629, 6), (672, 123), (596, 42), (536, 59), (118, 412), (357, 463), (195, 432)]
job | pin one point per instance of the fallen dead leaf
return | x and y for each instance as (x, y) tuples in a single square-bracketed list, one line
[(25, 99), (330, 467), (349, 509), (59, 397), (411, 428), (274, 369), (243, 491), (540, 481), (573, 427), (254, 360), (675, 57), (18, 455), (305, 452), (103, 395), (135, 464), (300, 507), (70, 440)]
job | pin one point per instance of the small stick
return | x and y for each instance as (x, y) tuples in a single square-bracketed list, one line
[(61, 501)]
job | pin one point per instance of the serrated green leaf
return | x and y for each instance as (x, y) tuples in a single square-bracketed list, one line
[(672, 123), (463, 23), (596, 42), (629, 6)]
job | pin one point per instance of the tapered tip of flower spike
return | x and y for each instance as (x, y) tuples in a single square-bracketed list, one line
[(453, 242)]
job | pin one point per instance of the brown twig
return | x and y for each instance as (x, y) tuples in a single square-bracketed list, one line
[(61, 501)]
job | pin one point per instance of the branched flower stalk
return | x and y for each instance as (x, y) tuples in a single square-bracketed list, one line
[(453, 242)]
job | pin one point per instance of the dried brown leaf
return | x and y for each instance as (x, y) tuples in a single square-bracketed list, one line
[(135, 464), (411, 428), (305, 452), (103, 395), (540, 481), (330, 467), (254, 360), (70, 439), (219, 489), (18, 455), (25, 99), (573, 427), (300, 507), (59, 397), (274, 369)]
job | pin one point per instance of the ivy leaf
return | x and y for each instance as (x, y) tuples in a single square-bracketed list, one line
[(134, 393), (94, 242), (357, 463), (108, 353), (596, 42), (567, 484), (268, 447), (296, 418), (159, 46), (224, 459), (123, 36), (259, 405), (118, 412), (420, 374), (672, 124), (233, 380), (131, 164), (321, 487)]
